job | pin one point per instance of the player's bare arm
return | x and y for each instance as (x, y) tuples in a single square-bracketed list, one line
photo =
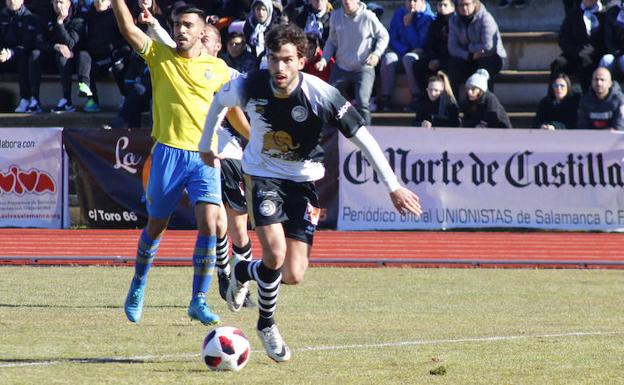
[(133, 34), (237, 119)]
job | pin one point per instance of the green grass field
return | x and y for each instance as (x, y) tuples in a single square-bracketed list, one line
[(65, 325)]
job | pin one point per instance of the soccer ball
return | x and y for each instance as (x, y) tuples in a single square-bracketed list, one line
[(226, 348)]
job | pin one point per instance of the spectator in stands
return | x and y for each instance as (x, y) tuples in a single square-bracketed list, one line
[(474, 42), (237, 56), (438, 107), (60, 40), (104, 51), (436, 47), (515, 3), (602, 107), (482, 109), (408, 34), (614, 41), (313, 18), (581, 38), (18, 30), (257, 24), (558, 110), (357, 39), (315, 54)]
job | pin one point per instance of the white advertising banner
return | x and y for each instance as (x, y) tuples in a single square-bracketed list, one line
[(482, 178), (33, 178)]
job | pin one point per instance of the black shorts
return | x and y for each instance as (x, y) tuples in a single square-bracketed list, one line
[(293, 204), (233, 185)]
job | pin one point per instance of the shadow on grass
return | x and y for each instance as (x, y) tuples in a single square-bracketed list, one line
[(11, 305), (93, 360)]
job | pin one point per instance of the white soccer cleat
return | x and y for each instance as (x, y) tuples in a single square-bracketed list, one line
[(274, 344), (22, 107), (237, 292)]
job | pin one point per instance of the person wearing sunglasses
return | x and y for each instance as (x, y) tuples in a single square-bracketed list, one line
[(558, 109)]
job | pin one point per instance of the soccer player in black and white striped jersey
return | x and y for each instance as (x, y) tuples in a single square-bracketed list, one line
[(287, 110)]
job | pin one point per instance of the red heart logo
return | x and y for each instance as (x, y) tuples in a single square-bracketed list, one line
[(6, 182), (45, 183), (19, 190), (28, 180)]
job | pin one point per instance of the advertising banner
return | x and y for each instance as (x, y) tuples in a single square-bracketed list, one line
[(33, 178), (112, 166), (488, 178)]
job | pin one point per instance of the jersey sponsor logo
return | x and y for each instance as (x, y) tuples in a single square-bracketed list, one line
[(312, 214), (343, 110), (267, 208), (276, 143), (299, 113)]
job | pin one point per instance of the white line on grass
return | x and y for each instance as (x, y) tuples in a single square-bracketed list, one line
[(310, 348)]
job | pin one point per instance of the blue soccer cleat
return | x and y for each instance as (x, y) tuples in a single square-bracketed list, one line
[(200, 311), (134, 301)]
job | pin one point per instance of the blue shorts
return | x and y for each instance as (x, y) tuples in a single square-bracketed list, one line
[(171, 173)]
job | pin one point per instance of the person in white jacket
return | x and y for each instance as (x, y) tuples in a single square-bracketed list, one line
[(357, 39)]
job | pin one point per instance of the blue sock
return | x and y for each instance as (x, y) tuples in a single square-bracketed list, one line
[(204, 259), (146, 252)]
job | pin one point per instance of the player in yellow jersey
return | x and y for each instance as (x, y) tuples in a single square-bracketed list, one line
[(184, 80)]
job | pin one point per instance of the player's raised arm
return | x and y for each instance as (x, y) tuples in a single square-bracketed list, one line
[(403, 199), (133, 34)]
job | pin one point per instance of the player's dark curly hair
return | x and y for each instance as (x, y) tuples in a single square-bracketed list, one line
[(283, 34)]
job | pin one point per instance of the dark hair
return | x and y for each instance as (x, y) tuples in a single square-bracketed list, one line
[(283, 34), (188, 8), (562, 76)]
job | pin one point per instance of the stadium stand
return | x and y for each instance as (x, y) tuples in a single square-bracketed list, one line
[(529, 35)]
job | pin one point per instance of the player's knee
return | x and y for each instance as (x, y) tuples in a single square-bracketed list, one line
[(292, 277)]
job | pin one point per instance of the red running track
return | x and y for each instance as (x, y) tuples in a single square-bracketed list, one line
[(416, 249)]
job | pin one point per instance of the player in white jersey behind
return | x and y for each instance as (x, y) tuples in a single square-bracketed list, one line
[(287, 110)]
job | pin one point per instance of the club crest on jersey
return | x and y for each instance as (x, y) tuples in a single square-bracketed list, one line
[(299, 113), (267, 208), (208, 74)]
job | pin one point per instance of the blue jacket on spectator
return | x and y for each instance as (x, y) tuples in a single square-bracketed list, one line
[(404, 39)]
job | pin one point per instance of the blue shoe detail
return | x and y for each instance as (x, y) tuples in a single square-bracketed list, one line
[(134, 301), (200, 311)]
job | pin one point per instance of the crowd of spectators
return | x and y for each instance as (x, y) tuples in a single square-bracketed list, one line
[(449, 50)]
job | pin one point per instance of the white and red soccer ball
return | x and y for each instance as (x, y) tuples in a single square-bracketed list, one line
[(226, 348)]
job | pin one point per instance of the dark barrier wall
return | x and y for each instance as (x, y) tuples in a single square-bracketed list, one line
[(111, 168)]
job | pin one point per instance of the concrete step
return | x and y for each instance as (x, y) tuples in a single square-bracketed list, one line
[(519, 119), (51, 91), (530, 50), (515, 88)]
